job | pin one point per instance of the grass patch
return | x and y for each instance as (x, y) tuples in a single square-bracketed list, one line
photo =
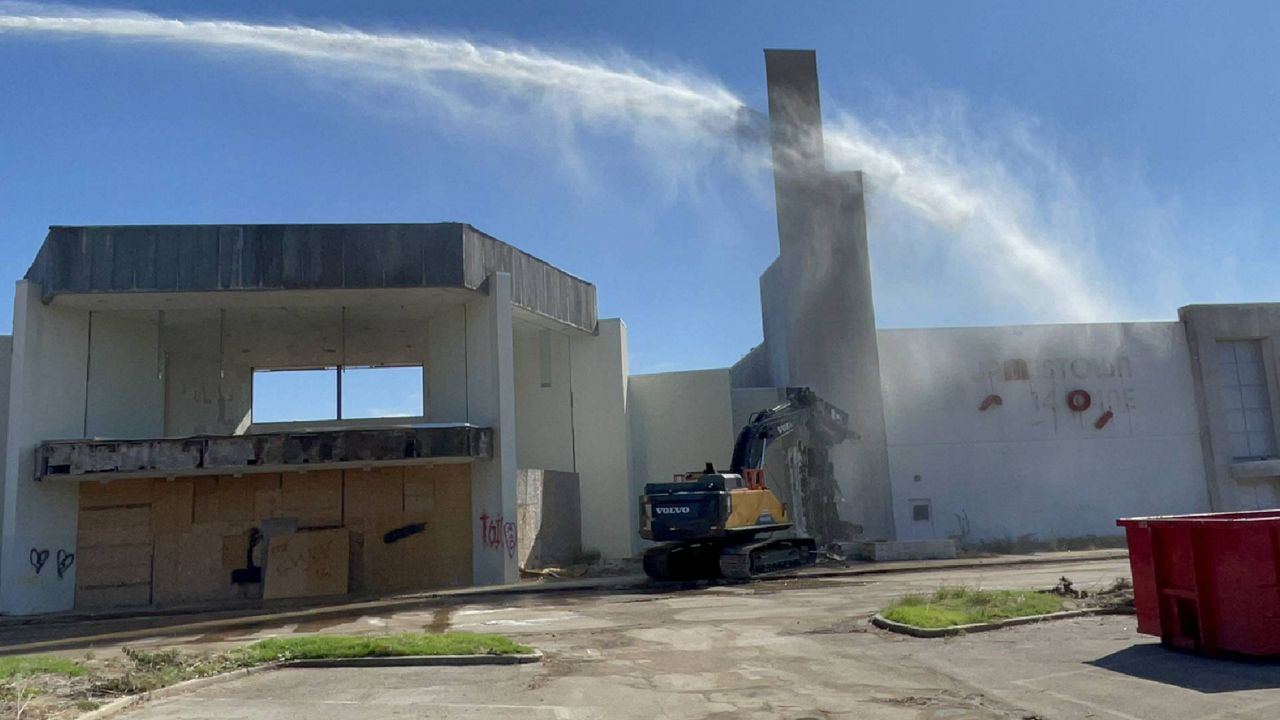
[(341, 646), (21, 666), (951, 606)]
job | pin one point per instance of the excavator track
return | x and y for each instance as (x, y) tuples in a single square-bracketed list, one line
[(744, 562), (708, 561), (683, 561)]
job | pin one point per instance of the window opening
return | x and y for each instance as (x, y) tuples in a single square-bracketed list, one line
[(1245, 399), (337, 393), (382, 391), (284, 395)]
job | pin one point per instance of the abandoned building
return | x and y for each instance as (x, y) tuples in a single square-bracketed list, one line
[(136, 472)]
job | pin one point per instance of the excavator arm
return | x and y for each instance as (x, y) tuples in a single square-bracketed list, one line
[(828, 423)]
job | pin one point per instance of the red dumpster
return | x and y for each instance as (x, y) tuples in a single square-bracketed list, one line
[(1208, 582)]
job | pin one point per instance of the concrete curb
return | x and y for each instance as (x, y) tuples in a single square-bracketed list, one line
[(416, 661), (909, 566), (116, 707), (901, 628)]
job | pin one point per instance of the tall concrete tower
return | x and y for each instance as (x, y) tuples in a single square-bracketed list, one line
[(819, 318)]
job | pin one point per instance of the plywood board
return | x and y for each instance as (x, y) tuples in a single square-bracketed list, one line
[(453, 495), (400, 565), (114, 493), (235, 551), (419, 492), (422, 560), (115, 526), (371, 493), (204, 501), (420, 484), (267, 504), (307, 564), (236, 496), (113, 565), (113, 597), (315, 498), (188, 567), (113, 545), (171, 506)]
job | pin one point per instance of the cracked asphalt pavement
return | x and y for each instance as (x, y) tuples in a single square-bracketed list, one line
[(796, 649)]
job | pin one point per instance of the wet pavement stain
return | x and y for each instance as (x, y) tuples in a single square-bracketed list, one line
[(228, 634), (441, 619), (311, 626)]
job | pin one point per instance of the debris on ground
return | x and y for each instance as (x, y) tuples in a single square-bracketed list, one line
[(1116, 596), (573, 571), (1066, 588), (77, 685)]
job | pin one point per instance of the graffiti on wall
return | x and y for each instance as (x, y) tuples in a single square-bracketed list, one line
[(1061, 368), (496, 534), (1092, 390), (63, 560)]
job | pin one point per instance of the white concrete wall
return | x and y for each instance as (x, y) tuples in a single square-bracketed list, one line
[(491, 403), (47, 402), (6, 369), (601, 439), (773, 321), (544, 415), (204, 391), (1030, 466), (680, 421), (126, 386), (210, 355), (1235, 484), (446, 383), (749, 401)]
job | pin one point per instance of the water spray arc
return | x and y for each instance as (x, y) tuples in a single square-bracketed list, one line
[(625, 96)]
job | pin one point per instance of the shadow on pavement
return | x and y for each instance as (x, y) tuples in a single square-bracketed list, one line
[(1193, 672)]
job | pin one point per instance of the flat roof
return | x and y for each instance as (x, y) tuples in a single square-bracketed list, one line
[(127, 259)]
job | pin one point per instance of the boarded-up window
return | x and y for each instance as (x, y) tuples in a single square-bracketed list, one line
[(1245, 400)]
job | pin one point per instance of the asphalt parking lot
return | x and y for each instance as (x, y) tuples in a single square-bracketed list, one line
[(796, 649)]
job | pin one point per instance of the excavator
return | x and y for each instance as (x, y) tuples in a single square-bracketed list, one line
[(714, 524)]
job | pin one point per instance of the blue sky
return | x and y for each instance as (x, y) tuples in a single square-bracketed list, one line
[(1134, 144)]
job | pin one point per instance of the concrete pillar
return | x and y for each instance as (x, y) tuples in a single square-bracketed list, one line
[(601, 439), (830, 330), (46, 402), (490, 382)]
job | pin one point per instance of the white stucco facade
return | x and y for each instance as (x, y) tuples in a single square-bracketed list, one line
[(982, 429)]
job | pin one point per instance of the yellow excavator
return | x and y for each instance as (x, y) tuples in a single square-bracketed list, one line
[(710, 523)]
